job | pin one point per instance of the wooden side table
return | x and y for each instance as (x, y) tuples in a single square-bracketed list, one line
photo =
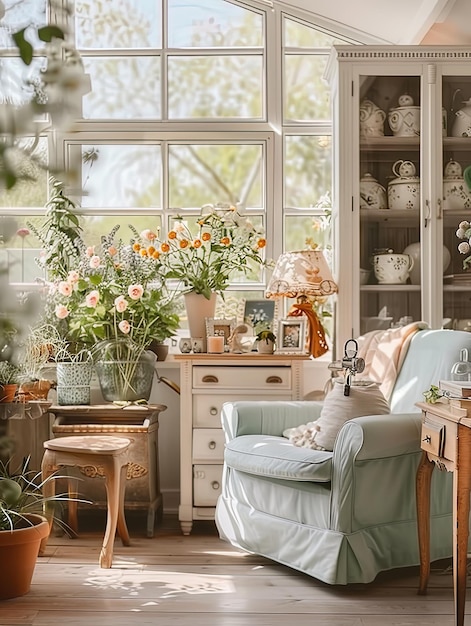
[(446, 442), (140, 424)]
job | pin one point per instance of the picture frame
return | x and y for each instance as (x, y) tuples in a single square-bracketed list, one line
[(291, 335), (259, 312), (220, 328)]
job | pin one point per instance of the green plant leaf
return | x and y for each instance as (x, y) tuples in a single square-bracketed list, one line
[(47, 33), (24, 47)]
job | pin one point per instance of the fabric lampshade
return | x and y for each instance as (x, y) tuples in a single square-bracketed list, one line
[(301, 273)]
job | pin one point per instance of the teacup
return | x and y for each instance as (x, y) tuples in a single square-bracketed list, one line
[(392, 269)]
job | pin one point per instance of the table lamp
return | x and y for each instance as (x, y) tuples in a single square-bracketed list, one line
[(305, 275)]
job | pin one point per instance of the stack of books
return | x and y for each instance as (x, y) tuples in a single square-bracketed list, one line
[(461, 390)]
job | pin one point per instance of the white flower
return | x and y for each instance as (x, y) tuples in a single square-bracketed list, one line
[(464, 225), (461, 233), (464, 247)]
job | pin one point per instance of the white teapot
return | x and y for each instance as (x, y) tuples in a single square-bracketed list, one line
[(462, 122), (404, 120), (372, 194), (456, 194), (371, 120), (392, 269), (404, 191)]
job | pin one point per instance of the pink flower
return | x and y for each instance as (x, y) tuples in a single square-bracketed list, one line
[(73, 277), (124, 326), (92, 298), (61, 311), (112, 251), (135, 291), (121, 304), (22, 232), (148, 235), (94, 262), (64, 288), (90, 250)]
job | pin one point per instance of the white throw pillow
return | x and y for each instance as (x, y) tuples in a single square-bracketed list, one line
[(365, 399)]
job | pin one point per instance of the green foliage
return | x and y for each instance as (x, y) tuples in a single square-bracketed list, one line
[(9, 373), (433, 395), (21, 494), (59, 233), (266, 335)]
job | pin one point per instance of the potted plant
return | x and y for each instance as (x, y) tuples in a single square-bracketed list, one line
[(23, 526), (265, 340), (9, 378)]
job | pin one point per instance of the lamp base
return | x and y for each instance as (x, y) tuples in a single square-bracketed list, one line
[(316, 341)]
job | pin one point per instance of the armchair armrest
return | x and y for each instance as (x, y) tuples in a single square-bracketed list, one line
[(266, 417)]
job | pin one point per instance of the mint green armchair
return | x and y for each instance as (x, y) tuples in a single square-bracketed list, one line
[(342, 516)]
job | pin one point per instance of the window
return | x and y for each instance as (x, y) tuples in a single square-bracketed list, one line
[(191, 103)]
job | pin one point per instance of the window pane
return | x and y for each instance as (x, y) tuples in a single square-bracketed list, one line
[(308, 169), (302, 231), (121, 176), (18, 15), (94, 226), (118, 24), (208, 23), (21, 248), (201, 174), (15, 79), (113, 82), (220, 86), (299, 36), (32, 191), (307, 96)]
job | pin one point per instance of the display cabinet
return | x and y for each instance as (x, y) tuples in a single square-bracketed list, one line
[(402, 128)]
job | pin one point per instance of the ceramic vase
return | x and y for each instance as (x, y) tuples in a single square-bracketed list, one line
[(265, 346), (73, 383), (198, 308), (413, 250)]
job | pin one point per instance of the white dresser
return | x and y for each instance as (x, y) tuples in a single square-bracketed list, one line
[(207, 381)]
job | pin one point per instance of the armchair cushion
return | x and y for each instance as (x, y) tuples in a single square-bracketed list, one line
[(275, 457)]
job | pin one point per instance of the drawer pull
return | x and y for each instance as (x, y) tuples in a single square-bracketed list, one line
[(213, 410), (212, 445), (274, 379), (210, 378), (215, 485), (427, 439)]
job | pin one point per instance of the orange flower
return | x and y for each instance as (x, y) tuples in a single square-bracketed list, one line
[(150, 250), (172, 234), (155, 254), (143, 252), (112, 250), (261, 243), (206, 236), (197, 243), (165, 247), (184, 243), (136, 247), (225, 241)]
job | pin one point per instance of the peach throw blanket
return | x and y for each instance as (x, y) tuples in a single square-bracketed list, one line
[(384, 352)]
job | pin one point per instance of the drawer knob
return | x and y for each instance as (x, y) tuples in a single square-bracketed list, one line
[(213, 410), (215, 485), (427, 439), (274, 379), (212, 445), (210, 378)]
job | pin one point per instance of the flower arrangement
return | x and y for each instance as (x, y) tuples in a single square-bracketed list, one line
[(464, 232), (116, 292), (204, 262)]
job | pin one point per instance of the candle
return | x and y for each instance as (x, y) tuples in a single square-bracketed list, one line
[(215, 345)]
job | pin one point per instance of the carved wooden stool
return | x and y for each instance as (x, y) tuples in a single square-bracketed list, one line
[(110, 455)]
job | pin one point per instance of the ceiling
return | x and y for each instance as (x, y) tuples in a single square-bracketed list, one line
[(446, 22)]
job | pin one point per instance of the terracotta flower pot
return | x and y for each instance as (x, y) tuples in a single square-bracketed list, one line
[(19, 550), (7, 392)]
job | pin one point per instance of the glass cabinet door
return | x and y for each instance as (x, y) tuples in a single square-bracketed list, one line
[(389, 200), (456, 101)]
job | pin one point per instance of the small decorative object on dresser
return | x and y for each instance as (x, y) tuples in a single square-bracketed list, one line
[(292, 334)]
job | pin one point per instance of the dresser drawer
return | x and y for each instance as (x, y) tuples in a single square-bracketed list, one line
[(208, 445), (226, 377), (438, 436), (207, 408), (206, 484)]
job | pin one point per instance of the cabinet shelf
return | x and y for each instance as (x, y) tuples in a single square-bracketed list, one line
[(382, 288), (408, 216), (387, 144)]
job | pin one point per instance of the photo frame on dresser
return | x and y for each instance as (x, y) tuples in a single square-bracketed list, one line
[(259, 312), (291, 335), (220, 328)]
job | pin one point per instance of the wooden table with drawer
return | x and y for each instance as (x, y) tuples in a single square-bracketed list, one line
[(446, 443), (207, 381)]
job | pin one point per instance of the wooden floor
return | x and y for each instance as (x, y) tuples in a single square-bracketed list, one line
[(200, 580)]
